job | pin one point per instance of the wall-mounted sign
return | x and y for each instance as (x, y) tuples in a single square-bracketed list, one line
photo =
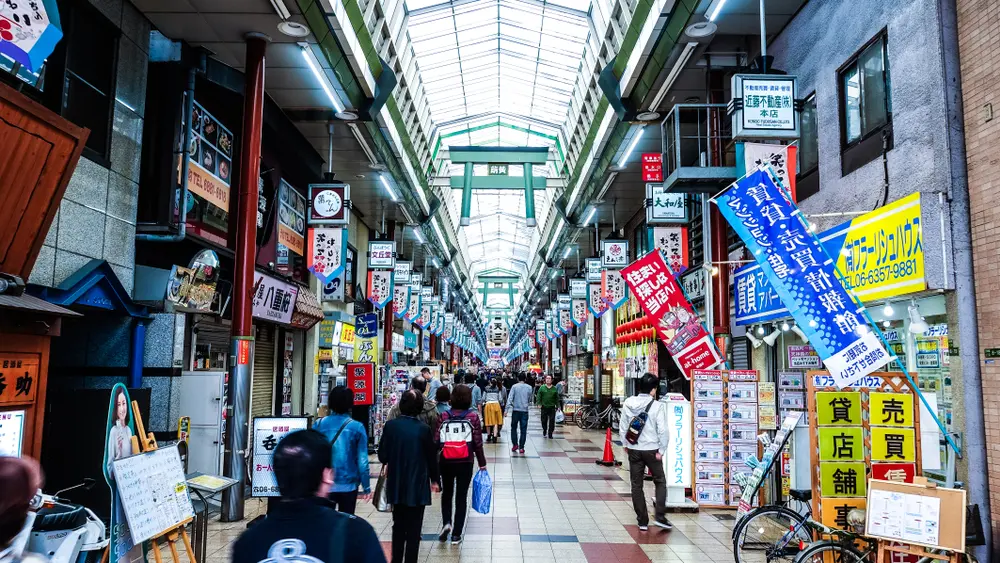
[(291, 221), (381, 254), (327, 253), (673, 243), (273, 299), (766, 108), (211, 151), (329, 204), (614, 253), (652, 167), (361, 382), (664, 206), (803, 357)]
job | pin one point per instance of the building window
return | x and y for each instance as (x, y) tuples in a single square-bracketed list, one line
[(865, 105), (807, 181)]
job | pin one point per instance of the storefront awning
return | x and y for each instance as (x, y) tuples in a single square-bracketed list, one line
[(308, 311), (94, 286)]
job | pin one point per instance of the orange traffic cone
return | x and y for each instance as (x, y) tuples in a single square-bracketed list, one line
[(609, 456)]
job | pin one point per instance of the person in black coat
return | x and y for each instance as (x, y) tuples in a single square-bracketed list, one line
[(303, 525), (408, 453)]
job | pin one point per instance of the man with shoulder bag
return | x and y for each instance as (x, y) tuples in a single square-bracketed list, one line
[(645, 435)]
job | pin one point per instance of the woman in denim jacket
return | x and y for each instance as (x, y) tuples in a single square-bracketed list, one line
[(350, 451)]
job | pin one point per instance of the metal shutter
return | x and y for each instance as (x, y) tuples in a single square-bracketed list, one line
[(741, 353), (262, 385)]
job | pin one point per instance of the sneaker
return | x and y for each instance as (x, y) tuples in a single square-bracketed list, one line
[(643, 528), (455, 540), (520, 451), (665, 524), (550, 437), (445, 530), (514, 449)]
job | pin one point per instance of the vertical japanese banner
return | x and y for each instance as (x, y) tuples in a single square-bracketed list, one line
[(672, 241), (380, 288), (361, 382), (579, 309), (677, 325), (614, 292), (400, 300), (326, 252), (595, 303), (803, 275), (566, 320), (413, 311), (424, 320)]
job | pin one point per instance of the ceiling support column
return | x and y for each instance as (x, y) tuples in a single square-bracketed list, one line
[(466, 196), (529, 194)]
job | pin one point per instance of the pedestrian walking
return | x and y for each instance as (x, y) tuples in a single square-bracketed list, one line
[(645, 435), (477, 391), (302, 526), (493, 410), (433, 383), (428, 414), (460, 440), (547, 398), (349, 443), (410, 458), (443, 400), (518, 402)]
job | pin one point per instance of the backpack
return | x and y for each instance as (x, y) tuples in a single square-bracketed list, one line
[(638, 422), (455, 436)]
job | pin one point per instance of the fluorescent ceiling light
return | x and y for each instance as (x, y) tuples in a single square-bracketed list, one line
[(313, 64), (566, 253), (675, 71), (713, 11), (590, 216), (437, 231), (419, 233), (281, 9), (436, 262), (392, 193), (555, 238), (631, 147)]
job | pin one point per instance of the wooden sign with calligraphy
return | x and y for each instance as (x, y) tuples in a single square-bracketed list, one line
[(18, 378)]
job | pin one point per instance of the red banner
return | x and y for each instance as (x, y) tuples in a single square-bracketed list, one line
[(361, 382), (677, 325), (652, 167)]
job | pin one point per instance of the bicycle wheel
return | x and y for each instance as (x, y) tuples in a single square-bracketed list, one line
[(593, 419), (829, 551), (616, 419), (764, 535), (580, 417)]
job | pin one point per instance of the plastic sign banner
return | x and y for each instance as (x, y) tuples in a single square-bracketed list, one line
[(579, 309), (595, 302), (400, 300), (652, 167), (578, 288), (273, 300), (566, 320), (803, 276), (413, 311), (673, 243), (328, 204), (402, 272), (382, 254), (677, 325), (361, 382), (325, 256), (424, 320), (665, 207), (380, 288), (614, 292), (593, 270), (677, 463), (614, 254)]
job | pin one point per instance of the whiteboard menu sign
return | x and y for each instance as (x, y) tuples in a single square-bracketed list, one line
[(11, 433), (267, 432), (154, 492)]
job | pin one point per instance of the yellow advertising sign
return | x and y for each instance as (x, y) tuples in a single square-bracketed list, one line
[(881, 253), (838, 408), (294, 241), (893, 444), (324, 354), (347, 336), (891, 409), (366, 350), (838, 479), (841, 444), (205, 184), (835, 511)]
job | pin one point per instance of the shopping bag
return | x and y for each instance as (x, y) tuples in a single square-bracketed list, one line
[(379, 499), (482, 492), (560, 417)]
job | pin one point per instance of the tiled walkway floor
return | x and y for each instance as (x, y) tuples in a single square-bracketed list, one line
[(551, 504)]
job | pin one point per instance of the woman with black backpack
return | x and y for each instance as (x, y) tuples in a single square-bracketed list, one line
[(459, 437)]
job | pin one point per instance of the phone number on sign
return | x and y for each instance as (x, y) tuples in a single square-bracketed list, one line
[(885, 273)]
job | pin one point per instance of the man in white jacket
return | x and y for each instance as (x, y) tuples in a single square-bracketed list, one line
[(647, 451)]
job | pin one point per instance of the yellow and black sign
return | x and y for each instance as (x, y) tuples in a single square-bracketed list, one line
[(841, 444), (842, 479), (893, 444), (891, 409), (838, 408)]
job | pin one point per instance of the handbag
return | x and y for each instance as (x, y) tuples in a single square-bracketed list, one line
[(380, 498)]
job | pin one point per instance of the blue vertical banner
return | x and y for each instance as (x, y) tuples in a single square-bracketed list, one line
[(803, 275)]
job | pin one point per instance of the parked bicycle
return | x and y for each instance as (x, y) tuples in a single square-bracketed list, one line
[(589, 417)]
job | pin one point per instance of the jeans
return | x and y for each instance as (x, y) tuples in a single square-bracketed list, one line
[(548, 420), (638, 461), (518, 418), (406, 524), (344, 502), (455, 478)]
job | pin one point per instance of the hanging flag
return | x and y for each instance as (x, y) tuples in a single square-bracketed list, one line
[(781, 159), (579, 310), (29, 34), (413, 311), (595, 303), (566, 320), (613, 289), (327, 249), (400, 299), (424, 320), (380, 289), (803, 275), (673, 243), (676, 322)]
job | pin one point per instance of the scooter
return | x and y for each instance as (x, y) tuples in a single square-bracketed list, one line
[(65, 532)]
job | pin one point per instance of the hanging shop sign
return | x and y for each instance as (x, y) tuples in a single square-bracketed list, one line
[(781, 159), (614, 253), (327, 252), (425, 316), (803, 357), (400, 300), (273, 299), (579, 310), (614, 292), (291, 222), (563, 300), (593, 270), (329, 204), (677, 324), (380, 287), (347, 336), (672, 241), (566, 320), (693, 283), (401, 274), (31, 32), (540, 332), (805, 279), (413, 311), (578, 288), (366, 349), (764, 107), (366, 326), (595, 303), (382, 254), (665, 207), (652, 167), (210, 164)]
